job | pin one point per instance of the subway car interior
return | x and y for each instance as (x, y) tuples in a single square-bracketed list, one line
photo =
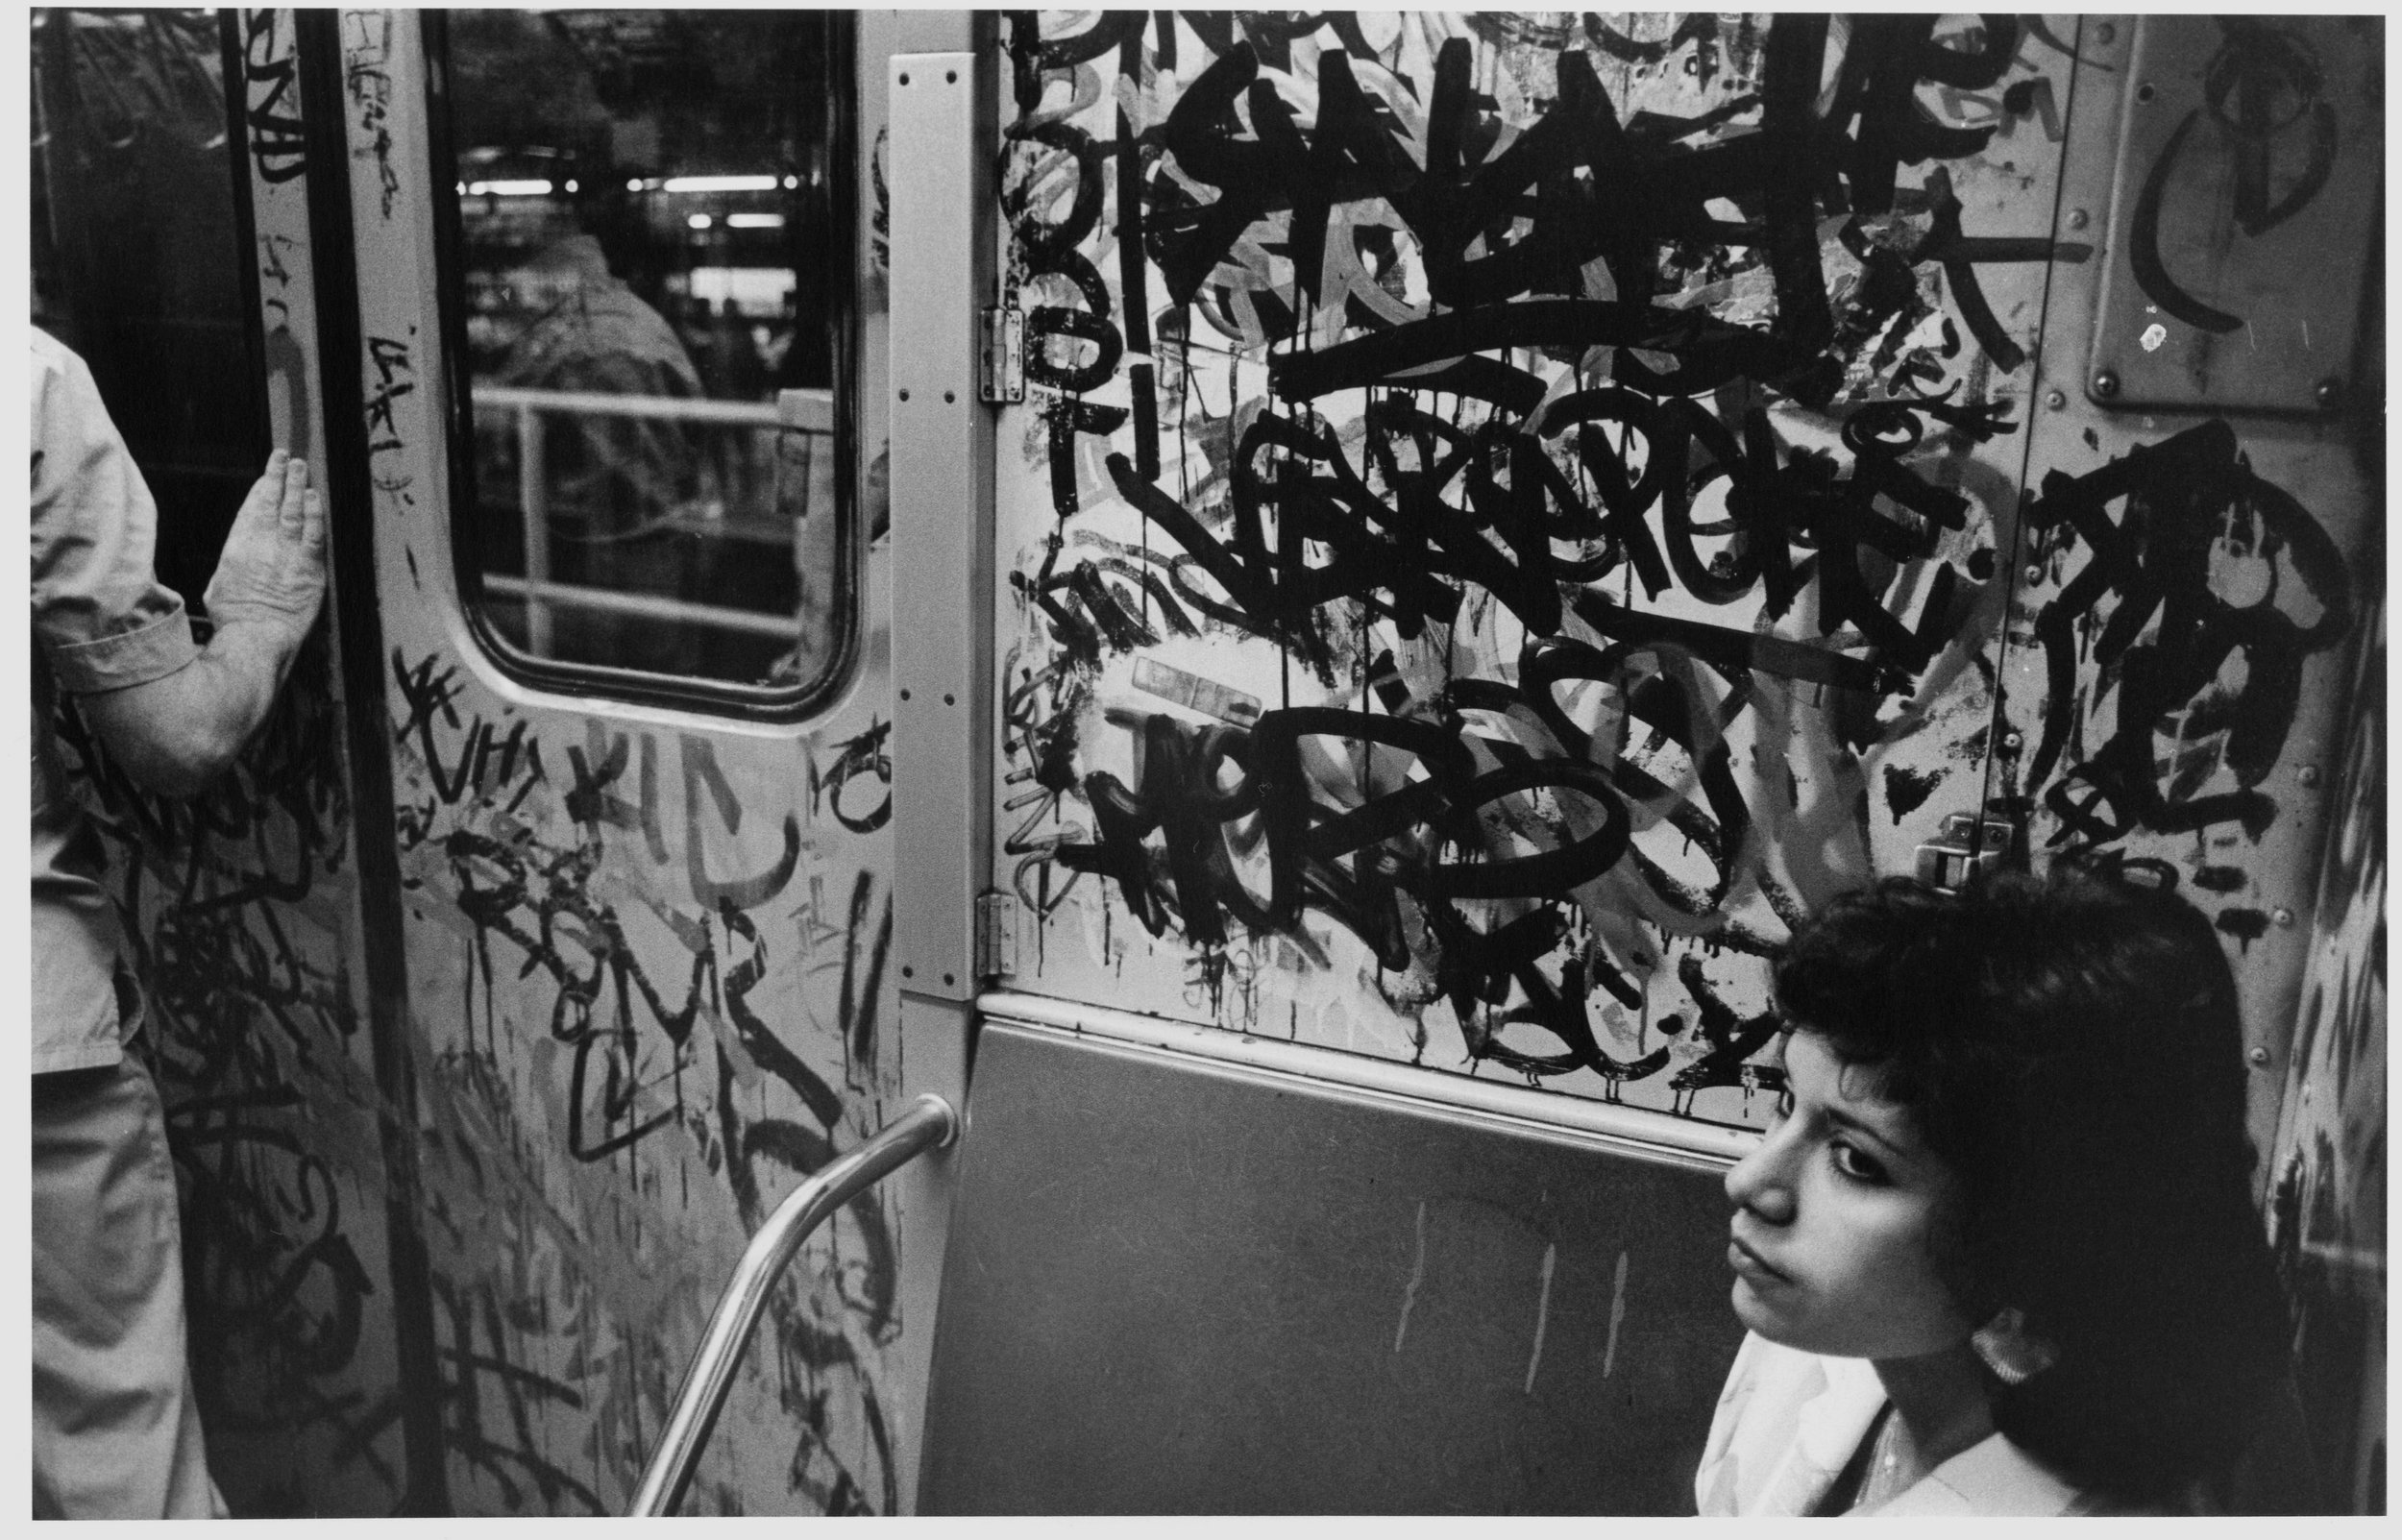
[(965, 837)]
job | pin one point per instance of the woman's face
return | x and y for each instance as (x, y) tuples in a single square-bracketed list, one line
[(1839, 1217)]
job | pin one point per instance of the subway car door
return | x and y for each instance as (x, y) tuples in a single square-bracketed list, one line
[(606, 313), (1426, 693)]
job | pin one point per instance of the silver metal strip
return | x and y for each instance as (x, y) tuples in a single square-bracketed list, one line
[(649, 607), (942, 526), (929, 1125), (1628, 1129), (808, 411)]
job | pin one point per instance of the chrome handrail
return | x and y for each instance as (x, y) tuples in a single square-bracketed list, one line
[(930, 1124), (808, 410)]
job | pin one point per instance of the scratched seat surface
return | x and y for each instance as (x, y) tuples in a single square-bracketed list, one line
[(1171, 1288)]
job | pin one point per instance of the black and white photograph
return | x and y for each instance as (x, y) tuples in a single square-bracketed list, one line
[(1144, 765)]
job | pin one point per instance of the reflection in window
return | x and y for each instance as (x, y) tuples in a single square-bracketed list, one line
[(137, 250), (654, 288)]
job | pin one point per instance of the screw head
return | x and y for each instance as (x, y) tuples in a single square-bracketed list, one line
[(2012, 741), (2078, 219), (2282, 917), (2056, 399), (2105, 383), (2328, 393), (2259, 1058), (2307, 775), (2034, 572)]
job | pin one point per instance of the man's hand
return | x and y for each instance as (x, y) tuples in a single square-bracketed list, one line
[(273, 569), (177, 733)]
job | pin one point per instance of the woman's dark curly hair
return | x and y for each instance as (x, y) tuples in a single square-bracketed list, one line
[(2070, 1046)]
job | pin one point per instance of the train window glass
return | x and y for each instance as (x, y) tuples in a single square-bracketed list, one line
[(138, 244), (654, 271)]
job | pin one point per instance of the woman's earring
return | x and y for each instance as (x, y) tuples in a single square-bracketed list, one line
[(2012, 1352)]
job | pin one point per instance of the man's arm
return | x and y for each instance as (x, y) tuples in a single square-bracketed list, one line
[(176, 734)]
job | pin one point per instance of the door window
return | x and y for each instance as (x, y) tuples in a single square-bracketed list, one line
[(653, 280), (138, 231)]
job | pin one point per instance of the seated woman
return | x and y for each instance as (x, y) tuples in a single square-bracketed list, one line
[(2000, 1254)]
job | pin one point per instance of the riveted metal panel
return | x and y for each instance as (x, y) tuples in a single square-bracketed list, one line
[(2244, 198), (2182, 701), (941, 539)]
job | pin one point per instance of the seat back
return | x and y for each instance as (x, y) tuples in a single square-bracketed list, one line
[(1172, 1285)]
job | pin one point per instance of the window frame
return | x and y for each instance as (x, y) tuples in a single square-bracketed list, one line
[(684, 693)]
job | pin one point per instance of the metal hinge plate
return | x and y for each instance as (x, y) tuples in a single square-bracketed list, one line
[(1963, 843), (996, 936), (1002, 356)]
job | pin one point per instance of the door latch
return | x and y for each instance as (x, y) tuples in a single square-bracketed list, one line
[(996, 936), (1002, 356), (1963, 843)]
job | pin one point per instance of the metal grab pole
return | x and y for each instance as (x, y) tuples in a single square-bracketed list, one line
[(930, 1124)]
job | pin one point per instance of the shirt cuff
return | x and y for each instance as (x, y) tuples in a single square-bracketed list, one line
[(127, 658)]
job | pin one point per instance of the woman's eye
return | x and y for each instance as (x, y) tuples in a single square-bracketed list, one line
[(1860, 1167)]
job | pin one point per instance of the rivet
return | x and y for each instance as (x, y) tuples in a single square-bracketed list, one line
[(2144, 93), (905, 694), (904, 394), (2034, 572), (908, 972), (2011, 742), (947, 700), (2307, 775), (2078, 219), (2259, 1058), (2283, 915), (2056, 399), (949, 396), (2105, 35), (2105, 383), (904, 79), (2327, 393)]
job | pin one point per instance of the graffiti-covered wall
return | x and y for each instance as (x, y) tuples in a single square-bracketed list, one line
[(646, 966), (2327, 1171), (239, 905), (1516, 511), (1509, 512)]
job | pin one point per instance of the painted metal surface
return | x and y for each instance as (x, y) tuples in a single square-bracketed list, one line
[(2327, 1168), (1355, 1308), (2249, 153), (941, 519), (647, 964), (1501, 524), (241, 908), (2174, 670)]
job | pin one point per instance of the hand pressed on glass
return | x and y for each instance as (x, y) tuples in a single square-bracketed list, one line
[(273, 568)]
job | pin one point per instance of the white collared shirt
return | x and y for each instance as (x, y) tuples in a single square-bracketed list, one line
[(1789, 1422)]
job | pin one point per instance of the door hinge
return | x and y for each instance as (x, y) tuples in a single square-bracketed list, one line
[(1002, 356), (996, 936), (1961, 846)]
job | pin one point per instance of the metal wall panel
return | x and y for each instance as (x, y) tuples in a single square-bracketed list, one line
[(1359, 351), (2326, 1172), (241, 906), (2174, 674), (1174, 1287), (646, 954)]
